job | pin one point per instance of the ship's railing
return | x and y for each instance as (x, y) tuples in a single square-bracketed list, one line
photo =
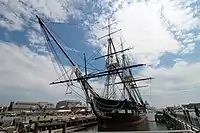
[(96, 101), (108, 108), (102, 114), (156, 131), (105, 113)]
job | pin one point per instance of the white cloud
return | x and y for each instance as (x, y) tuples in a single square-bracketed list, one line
[(145, 33), (175, 85), (21, 14), (25, 75), (30, 72), (153, 27), (189, 48), (179, 15), (37, 40), (22, 68), (16, 14)]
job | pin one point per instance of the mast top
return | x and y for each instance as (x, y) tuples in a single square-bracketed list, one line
[(46, 30), (109, 30)]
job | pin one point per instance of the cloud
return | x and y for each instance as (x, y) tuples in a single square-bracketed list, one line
[(180, 14), (17, 14), (147, 35), (25, 75), (20, 15), (175, 85), (189, 48), (154, 28), (29, 71)]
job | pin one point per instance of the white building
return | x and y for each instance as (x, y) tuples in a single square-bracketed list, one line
[(67, 104), (32, 106)]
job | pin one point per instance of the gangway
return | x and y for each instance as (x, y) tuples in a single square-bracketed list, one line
[(176, 124)]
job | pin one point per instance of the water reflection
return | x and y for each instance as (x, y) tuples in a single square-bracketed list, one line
[(149, 125), (144, 126)]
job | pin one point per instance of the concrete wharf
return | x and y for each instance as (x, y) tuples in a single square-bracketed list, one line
[(61, 124)]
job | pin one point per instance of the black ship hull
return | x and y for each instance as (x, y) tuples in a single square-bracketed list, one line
[(123, 122), (117, 115)]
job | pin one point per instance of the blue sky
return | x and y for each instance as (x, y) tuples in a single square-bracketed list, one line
[(164, 34)]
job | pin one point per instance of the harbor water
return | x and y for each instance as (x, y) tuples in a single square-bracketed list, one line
[(149, 125)]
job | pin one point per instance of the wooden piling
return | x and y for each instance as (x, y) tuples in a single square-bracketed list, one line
[(64, 127), (49, 129), (36, 127)]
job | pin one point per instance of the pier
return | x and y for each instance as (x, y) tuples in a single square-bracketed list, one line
[(63, 124), (162, 121), (176, 121), (51, 124)]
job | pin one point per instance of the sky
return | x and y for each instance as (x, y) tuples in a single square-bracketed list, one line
[(164, 34)]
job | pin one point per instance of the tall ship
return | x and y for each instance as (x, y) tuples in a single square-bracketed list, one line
[(121, 104)]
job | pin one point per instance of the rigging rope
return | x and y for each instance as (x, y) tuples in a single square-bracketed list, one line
[(48, 48), (133, 85), (116, 92), (59, 63), (150, 90), (74, 50), (77, 94), (63, 70), (127, 89)]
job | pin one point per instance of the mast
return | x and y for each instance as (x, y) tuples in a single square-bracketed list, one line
[(104, 73), (83, 82), (129, 83), (113, 69), (46, 29), (123, 65), (85, 64), (110, 64)]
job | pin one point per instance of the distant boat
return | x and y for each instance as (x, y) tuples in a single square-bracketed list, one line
[(110, 109)]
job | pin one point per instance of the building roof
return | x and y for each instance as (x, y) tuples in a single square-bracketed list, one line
[(28, 105)]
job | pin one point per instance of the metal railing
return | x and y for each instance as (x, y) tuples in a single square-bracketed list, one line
[(156, 131), (180, 123), (194, 121)]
